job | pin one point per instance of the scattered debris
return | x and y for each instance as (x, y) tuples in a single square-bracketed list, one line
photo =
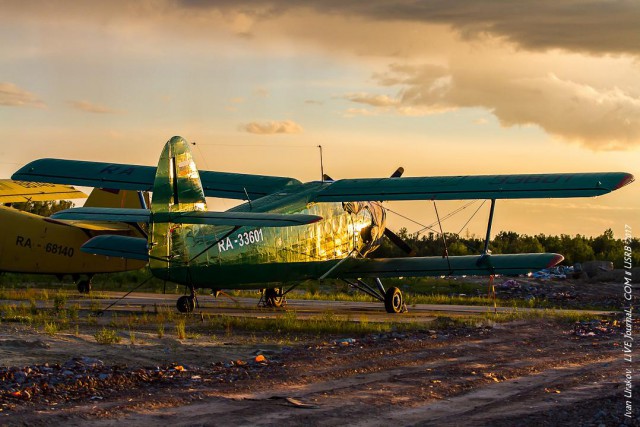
[(89, 378), (596, 328)]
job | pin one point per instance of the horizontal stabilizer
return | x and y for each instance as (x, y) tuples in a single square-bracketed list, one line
[(18, 192), (104, 214), (140, 178), (555, 185), (255, 219), (117, 246), (509, 264)]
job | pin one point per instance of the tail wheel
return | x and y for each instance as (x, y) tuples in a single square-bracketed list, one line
[(84, 286), (273, 297), (186, 304), (393, 301)]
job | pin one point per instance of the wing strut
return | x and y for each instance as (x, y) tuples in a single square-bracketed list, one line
[(444, 239), (485, 257), (486, 240)]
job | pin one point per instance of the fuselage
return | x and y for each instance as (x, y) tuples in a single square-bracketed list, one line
[(227, 257), (33, 244)]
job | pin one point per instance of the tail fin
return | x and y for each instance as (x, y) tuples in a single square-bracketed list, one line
[(107, 198), (177, 188)]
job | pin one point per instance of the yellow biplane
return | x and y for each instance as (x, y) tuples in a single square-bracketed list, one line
[(34, 244)]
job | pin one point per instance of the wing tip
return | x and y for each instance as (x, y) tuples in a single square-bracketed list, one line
[(555, 260), (626, 180)]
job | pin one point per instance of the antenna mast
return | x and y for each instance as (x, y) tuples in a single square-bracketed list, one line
[(321, 165)]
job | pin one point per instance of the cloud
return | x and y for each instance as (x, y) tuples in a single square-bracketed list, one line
[(261, 92), (599, 118), (89, 107), (272, 127), (596, 26), (354, 112), (13, 96), (372, 100), (569, 67)]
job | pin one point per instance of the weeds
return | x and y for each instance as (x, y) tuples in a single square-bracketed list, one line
[(180, 329), (59, 301), (107, 336), (160, 330), (51, 328)]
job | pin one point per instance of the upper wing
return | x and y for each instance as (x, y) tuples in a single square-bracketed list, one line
[(17, 191), (475, 187), (439, 266), (136, 177), (199, 217)]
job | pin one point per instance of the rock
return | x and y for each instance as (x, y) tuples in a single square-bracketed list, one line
[(20, 377), (593, 268)]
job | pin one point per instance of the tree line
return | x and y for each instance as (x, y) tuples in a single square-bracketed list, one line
[(578, 248)]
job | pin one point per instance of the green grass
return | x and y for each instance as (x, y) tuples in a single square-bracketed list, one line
[(289, 323), (51, 328), (181, 332), (107, 336)]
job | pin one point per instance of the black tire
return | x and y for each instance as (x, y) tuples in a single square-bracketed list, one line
[(186, 304), (393, 301), (84, 286), (273, 297)]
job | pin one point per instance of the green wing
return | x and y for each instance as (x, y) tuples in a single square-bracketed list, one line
[(140, 178), (439, 266), (104, 214), (475, 187), (243, 219)]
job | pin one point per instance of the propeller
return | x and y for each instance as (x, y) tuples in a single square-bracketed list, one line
[(398, 173), (397, 240)]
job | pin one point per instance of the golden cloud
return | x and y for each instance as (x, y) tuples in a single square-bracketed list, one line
[(272, 127), (89, 107), (14, 96)]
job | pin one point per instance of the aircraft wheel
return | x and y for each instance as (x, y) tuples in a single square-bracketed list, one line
[(393, 301), (186, 304), (84, 286), (273, 297)]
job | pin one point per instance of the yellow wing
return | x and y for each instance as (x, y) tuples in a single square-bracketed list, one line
[(21, 191)]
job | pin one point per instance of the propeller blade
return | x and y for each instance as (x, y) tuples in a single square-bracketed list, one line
[(398, 173), (399, 242)]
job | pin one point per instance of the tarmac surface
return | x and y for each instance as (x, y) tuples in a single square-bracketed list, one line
[(232, 306)]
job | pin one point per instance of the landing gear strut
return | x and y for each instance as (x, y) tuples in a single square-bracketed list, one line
[(273, 297), (392, 298)]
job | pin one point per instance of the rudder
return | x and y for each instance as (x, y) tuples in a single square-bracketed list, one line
[(177, 188)]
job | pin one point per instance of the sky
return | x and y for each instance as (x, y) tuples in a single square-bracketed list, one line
[(438, 87)]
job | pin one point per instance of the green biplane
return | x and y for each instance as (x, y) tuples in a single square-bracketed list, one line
[(288, 230)]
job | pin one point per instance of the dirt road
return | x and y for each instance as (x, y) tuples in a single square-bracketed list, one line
[(524, 373)]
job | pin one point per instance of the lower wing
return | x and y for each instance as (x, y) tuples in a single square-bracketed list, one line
[(353, 268)]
